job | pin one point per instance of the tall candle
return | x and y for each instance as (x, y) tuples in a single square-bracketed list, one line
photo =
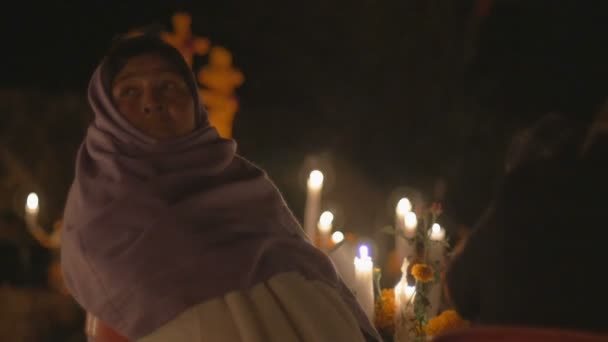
[(31, 210), (313, 203), (342, 255), (405, 248), (404, 206), (364, 281), (403, 296), (337, 237), (436, 258), (404, 307), (325, 226)]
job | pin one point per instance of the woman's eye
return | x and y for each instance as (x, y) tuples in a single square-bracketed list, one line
[(129, 92)]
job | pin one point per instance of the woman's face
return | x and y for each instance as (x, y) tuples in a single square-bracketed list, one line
[(153, 96)]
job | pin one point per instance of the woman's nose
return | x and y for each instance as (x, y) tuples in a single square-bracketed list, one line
[(153, 104)]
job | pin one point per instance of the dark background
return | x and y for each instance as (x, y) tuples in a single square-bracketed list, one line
[(388, 97)]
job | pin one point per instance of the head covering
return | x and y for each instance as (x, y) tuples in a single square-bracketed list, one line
[(127, 48), (153, 228)]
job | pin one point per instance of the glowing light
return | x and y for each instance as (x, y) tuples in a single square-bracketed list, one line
[(363, 252), (32, 202), (337, 237), (411, 221), (404, 206), (436, 229), (315, 179)]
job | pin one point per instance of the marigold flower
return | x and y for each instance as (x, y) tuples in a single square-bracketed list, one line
[(446, 321), (422, 273), (384, 319)]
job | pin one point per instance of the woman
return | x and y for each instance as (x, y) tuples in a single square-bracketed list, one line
[(171, 236)]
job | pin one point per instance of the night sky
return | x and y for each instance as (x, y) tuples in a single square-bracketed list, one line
[(376, 91)]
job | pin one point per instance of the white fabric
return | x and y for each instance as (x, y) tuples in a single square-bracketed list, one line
[(285, 308)]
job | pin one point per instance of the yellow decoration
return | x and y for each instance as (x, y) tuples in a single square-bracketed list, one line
[(220, 80), (182, 38), (422, 273), (446, 321), (222, 121), (219, 75), (385, 312), (215, 100)]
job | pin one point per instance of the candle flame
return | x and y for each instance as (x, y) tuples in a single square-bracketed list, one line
[(404, 206), (411, 221), (326, 219), (398, 289), (403, 293), (337, 237), (363, 252), (31, 203), (315, 180), (409, 291), (436, 228)]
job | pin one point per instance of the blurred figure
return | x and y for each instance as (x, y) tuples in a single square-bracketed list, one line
[(536, 256)]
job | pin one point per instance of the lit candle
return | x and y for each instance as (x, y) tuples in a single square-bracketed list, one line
[(325, 225), (403, 296), (411, 223), (364, 277), (342, 256), (406, 223), (31, 210), (313, 203), (436, 258), (404, 206), (337, 237), (437, 233), (404, 306)]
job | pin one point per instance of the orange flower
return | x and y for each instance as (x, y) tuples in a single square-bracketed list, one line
[(422, 273), (446, 321), (385, 311)]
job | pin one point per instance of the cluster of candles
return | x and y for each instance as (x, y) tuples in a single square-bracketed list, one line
[(357, 268)]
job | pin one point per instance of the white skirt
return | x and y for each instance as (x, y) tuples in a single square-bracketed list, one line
[(285, 308)]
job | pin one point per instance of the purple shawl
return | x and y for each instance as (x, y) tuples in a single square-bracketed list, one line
[(153, 228)]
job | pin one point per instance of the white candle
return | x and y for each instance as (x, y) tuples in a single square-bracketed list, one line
[(436, 258), (404, 295), (364, 276), (337, 237), (411, 223), (31, 210), (325, 226), (313, 203), (437, 233), (406, 223), (402, 248), (342, 257), (404, 309)]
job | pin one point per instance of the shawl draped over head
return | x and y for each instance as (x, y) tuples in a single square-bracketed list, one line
[(153, 228)]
